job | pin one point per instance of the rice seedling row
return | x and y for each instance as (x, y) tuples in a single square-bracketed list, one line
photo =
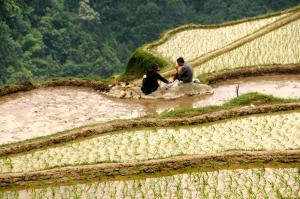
[(237, 183), (267, 132), (193, 43), (265, 50)]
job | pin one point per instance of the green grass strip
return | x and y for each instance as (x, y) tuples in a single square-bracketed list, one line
[(240, 101)]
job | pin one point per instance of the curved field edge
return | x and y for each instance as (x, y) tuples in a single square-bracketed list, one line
[(211, 78), (261, 182), (165, 36), (116, 126), (207, 42), (266, 132), (197, 63), (84, 172), (156, 175), (280, 46), (244, 100), (248, 38), (76, 82), (143, 52)]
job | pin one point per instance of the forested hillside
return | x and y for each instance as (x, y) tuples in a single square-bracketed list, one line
[(48, 38)]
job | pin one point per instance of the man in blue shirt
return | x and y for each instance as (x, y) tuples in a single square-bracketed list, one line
[(184, 71)]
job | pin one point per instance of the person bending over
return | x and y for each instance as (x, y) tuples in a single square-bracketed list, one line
[(184, 71), (150, 83)]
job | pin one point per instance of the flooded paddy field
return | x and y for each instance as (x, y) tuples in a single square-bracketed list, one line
[(46, 111), (270, 132), (235, 183), (283, 86), (49, 110)]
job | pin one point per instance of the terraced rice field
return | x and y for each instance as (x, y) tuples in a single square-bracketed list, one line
[(262, 133), (274, 133), (224, 47), (207, 39), (244, 152), (265, 50), (43, 112), (237, 183)]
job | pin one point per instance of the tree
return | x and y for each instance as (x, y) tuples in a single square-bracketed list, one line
[(23, 75), (86, 12), (9, 51), (45, 38)]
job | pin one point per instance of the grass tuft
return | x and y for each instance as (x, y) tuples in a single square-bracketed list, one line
[(140, 62), (240, 101)]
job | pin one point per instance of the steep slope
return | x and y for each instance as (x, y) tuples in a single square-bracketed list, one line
[(199, 44), (192, 41), (281, 46)]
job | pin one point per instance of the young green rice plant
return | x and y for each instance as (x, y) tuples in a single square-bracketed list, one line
[(194, 42), (166, 142), (189, 185), (8, 163), (265, 50)]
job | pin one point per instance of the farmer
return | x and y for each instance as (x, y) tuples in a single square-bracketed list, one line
[(150, 83), (184, 71)]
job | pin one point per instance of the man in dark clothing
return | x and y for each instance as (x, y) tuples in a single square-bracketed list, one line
[(184, 72), (150, 83)]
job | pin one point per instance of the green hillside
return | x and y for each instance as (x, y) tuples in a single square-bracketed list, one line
[(88, 38)]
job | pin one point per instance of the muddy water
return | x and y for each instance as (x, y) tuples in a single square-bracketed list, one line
[(46, 111), (284, 86)]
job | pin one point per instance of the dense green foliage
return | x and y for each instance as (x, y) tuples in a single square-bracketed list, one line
[(89, 38)]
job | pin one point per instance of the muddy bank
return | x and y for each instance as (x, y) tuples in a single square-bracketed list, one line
[(176, 91), (139, 123), (16, 88), (253, 71), (63, 175), (164, 173), (46, 111), (75, 82), (284, 86)]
